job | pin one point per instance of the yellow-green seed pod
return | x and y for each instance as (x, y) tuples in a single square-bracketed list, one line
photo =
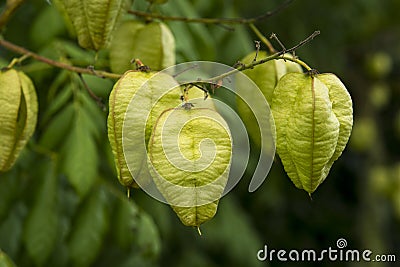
[(94, 20), (124, 90), (128, 87), (153, 44), (190, 155), (18, 115), (313, 117)]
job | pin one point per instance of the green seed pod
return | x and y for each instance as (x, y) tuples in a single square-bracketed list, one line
[(18, 115), (153, 44), (313, 117), (94, 20), (190, 155), (265, 76), (60, 6), (123, 92)]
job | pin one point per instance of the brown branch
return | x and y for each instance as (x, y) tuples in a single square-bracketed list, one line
[(212, 20), (23, 51), (104, 74), (9, 10)]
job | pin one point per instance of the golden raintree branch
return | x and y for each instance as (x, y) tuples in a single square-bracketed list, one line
[(266, 15), (23, 51)]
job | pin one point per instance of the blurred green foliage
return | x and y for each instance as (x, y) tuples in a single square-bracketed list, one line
[(61, 205)]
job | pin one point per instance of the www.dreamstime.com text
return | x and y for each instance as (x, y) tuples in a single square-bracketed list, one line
[(330, 254)]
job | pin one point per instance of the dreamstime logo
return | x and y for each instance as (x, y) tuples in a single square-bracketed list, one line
[(332, 254), (162, 84)]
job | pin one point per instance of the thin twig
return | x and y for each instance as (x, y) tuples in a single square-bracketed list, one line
[(273, 36), (266, 15), (309, 38), (277, 55), (98, 100), (262, 38), (9, 10), (24, 51), (258, 46)]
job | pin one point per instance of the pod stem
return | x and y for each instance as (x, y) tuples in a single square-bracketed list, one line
[(298, 61), (17, 61)]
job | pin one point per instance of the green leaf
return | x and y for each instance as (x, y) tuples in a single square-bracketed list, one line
[(79, 154), (308, 116), (234, 45), (11, 230), (89, 229), (186, 49), (199, 32), (41, 225), (9, 187), (5, 261), (194, 39), (39, 36), (93, 117), (54, 133), (125, 220), (60, 99), (148, 238), (75, 53)]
